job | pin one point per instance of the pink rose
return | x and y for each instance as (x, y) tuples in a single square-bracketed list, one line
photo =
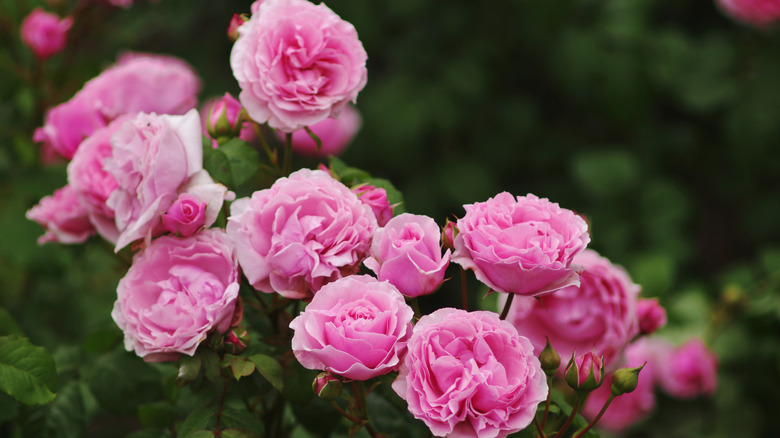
[(523, 245), (185, 216), (44, 33), (469, 374), (305, 231), (584, 373), (175, 293), (599, 314), (355, 327), (335, 135), (689, 370), (137, 83), (63, 217), (759, 13), (407, 253), (297, 64), (155, 159), (651, 315), (376, 198)]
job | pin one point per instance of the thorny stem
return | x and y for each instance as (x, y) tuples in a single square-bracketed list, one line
[(596, 419)]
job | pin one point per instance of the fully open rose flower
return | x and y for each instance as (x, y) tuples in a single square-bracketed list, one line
[(599, 314), (469, 374), (63, 217), (175, 293), (407, 253), (522, 245), (760, 13), (356, 327), (297, 64), (689, 371), (305, 231), (45, 33)]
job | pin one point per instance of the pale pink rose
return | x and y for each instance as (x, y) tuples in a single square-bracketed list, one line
[(651, 315), (297, 64), (305, 231), (44, 33), (469, 374), (522, 245), (689, 371), (335, 134), (407, 253), (154, 159), (599, 314), (355, 327), (175, 293), (63, 217), (185, 216), (759, 13), (376, 198), (581, 369), (136, 83)]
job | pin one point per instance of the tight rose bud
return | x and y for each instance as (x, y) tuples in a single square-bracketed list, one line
[(186, 216), (235, 22), (625, 380), (448, 234), (327, 386), (236, 340), (651, 315), (225, 118), (376, 198), (550, 360), (585, 373), (44, 33)]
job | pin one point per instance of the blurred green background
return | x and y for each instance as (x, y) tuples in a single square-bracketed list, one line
[(658, 120)]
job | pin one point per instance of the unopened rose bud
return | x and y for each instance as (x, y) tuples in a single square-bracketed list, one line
[(327, 386), (376, 198), (225, 118), (236, 340), (235, 23), (585, 373), (651, 315), (448, 241), (625, 380), (549, 358)]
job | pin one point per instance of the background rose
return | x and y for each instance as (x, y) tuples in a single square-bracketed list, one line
[(334, 133), (45, 33), (599, 314), (689, 371), (297, 64), (759, 13), (356, 327), (523, 245), (376, 198), (63, 217), (306, 230), (469, 374), (651, 315), (176, 292), (407, 253)]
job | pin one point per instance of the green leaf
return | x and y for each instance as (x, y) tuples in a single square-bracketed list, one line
[(7, 324), (270, 369), (348, 175), (239, 366), (235, 419), (297, 383), (210, 363), (394, 196), (121, 381), (158, 415), (27, 372), (197, 421), (189, 368), (200, 434), (233, 163), (238, 433), (101, 341)]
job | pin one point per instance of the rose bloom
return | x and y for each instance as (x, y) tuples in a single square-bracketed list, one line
[(376, 198), (137, 83), (155, 159), (652, 316), (469, 374), (335, 134), (356, 327), (44, 33), (407, 253), (63, 217), (186, 216), (297, 64), (689, 370), (175, 293), (599, 314), (305, 231), (759, 13), (522, 245)]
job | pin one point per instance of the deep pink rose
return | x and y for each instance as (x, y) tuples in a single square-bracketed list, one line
[(407, 253), (63, 217), (599, 314), (335, 135), (297, 64), (137, 83), (175, 293), (759, 13), (522, 245), (651, 315), (376, 198), (185, 216), (155, 159), (469, 374), (305, 231), (355, 327), (689, 371), (44, 33)]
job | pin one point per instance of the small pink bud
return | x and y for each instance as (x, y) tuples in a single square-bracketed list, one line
[(185, 216), (376, 198), (235, 23), (225, 118), (327, 386), (448, 234), (585, 373), (236, 340), (651, 315), (44, 33)]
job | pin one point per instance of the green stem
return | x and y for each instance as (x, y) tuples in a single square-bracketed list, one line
[(287, 153), (416, 307), (314, 137), (572, 416), (547, 402), (272, 156), (507, 305), (596, 419)]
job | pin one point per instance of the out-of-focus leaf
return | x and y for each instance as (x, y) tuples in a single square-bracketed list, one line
[(7, 324), (196, 421), (270, 369), (27, 372), (121, 381), (233, 163), (242, 420)]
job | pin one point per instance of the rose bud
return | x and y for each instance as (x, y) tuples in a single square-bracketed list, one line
[(376, 198), (651, 315), (186, 216), (235, 22), (625, 380), (327, 386), (448, 234), (585, 373), (236, 340), (225, 118), (550, 360), (44, 33)]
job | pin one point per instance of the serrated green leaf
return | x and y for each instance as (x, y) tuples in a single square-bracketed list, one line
[(195, 422), (233, 163), (27, 372), (210, 364), (270, 369), (240, 366)]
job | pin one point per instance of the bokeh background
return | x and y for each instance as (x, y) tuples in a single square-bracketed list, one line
[(658, 120)]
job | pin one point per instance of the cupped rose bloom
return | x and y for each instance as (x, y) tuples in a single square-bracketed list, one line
[(376, 198), (407, 253), (522, 245), (175, 293), (335, 134), (305, 231), (759, 13), (469, 374), (297, 64), (599, 314), (136, 83), (45, 33), (63, 217), (155, 158), (355, 327), (185, 216), (689, 371), (651, 315)]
